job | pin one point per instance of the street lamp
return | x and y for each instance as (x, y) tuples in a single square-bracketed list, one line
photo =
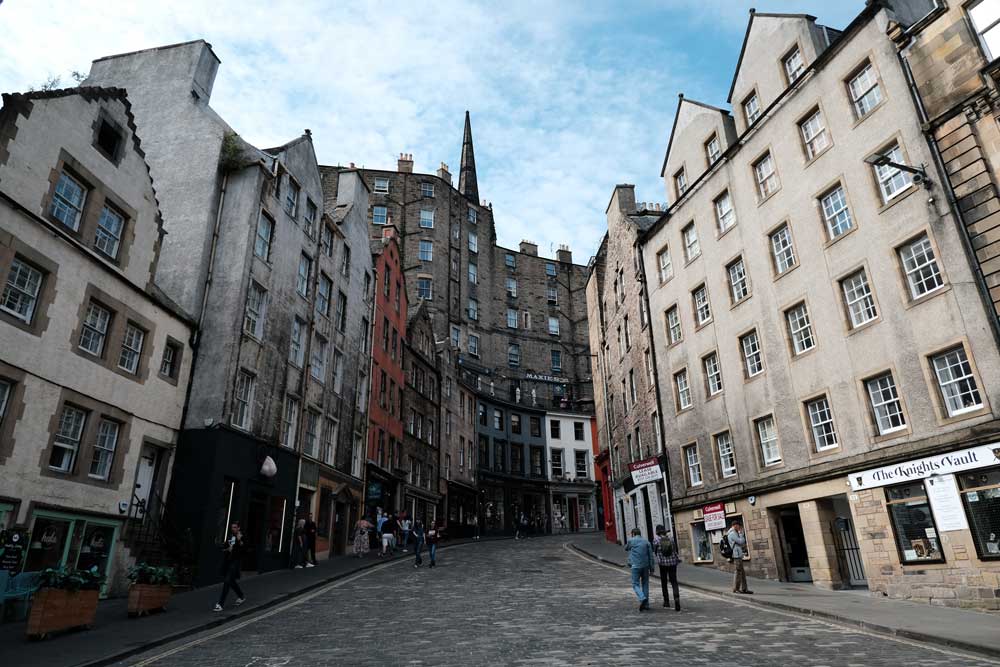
[(919, 173)]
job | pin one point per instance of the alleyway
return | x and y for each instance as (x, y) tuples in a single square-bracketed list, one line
[(528, 602)]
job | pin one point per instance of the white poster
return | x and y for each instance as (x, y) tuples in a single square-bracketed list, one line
[(942, 492)]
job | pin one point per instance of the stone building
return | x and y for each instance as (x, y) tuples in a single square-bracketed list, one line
[(627, 404), (94, 359), (271, 257), (795, 282), (385, 474), (572, 497), (517, 318), (458, 448), (421, 446)]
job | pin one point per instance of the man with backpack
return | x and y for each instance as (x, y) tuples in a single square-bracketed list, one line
[(666, 557), (641, 559), (735, 541)]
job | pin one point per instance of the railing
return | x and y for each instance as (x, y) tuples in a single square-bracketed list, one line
[(153, 537)]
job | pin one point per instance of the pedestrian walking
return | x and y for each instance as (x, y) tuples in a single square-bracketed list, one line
[(475, 526), (231, 556), (738, 542), (667, 559), (404, 526), (310, 554), (433, 535), (642, 560), (389, 527), (361, 544), (522, 526), (299, 545), (418, 543)]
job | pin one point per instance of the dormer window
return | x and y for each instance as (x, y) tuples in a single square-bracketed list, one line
[(751, 109), (712, 150), (680, 182), (382, 186), (109, 139), (794, 65)]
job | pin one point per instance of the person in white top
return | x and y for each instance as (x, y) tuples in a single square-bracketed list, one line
[(405, 526)]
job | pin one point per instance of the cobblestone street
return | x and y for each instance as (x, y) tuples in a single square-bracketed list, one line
[(533, 602)]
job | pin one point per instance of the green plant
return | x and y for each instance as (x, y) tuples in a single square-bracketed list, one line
[(144, 573), (72, 580), (231, 154)]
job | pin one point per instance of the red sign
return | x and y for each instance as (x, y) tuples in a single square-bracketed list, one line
[(645, 471), (715, 516)]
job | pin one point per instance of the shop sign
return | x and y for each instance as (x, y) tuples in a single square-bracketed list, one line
[(942, 492), (715, 516), (645, 471), (13, 543), (546, 378), (942, 464)]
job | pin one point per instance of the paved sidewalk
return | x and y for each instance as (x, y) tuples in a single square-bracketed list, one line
[(973, 631), (115, 636)]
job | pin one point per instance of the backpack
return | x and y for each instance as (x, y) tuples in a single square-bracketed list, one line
[(725, 548), (666, 546)]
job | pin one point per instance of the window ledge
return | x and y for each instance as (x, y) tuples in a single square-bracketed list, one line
[(726, 231), (904, 194), (871, 113), (752, 378), (809, 161), (736, 304), (901, 433), (689, 262), (779, 276), (800, 355), (926, 297), (761, 202), (699, 327), (862, 327)]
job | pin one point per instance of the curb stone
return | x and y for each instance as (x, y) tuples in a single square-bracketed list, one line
[(983, 651)]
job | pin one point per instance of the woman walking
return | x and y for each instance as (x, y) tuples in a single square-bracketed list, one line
[(418, 542), (361, 544), (433, 535), (666, 558)]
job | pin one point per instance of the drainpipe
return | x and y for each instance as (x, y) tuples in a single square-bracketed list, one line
[(949, 192)]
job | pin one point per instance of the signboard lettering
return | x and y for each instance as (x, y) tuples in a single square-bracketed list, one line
[(13, 544), (942, 492), (942, 464), (715, 516), (646, 471)]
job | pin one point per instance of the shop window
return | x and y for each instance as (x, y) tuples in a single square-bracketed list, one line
[(275, 535), (701, 546), (913, 523), (981, 497)]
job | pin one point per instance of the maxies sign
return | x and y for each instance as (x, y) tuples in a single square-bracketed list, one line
[(942, 464)]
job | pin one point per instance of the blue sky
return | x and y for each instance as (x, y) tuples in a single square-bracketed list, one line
[(567, 98)]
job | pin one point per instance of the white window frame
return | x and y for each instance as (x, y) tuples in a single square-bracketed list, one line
[(296, 348), (21, 290), (473, 309), (693, 462), (553, 325), (892, 182), (254, 310), (836, 213), (69, 433), (727, 454), (815, 135), (751, 108), (884, 402), (765, 175), (692, 248), (104, 449), (956, 382), (64, 206), (317, 363), (107, 238), (863, 88), (380, 215), (713, 374), (794, 65), (683, 389), (290, 423), (783, 249), (131, 352), (767, 440), (800, 328), (702, 307), (302, 279), (821, 424), (664, 265), (753, 358), (264, 236), (96, 322), (859, 300), (243, 398), (381, 186), (674, 332), (426, 250), (712, 150), (920, 267), (511, 285), (426, 218), (725, 215), (739, 286), (512, 317)]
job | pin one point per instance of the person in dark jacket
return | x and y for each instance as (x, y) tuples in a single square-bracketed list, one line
[(299, 545), (310, 554), (433, 535), (232, 554), (667, 559), (642, 560), (418, 535)]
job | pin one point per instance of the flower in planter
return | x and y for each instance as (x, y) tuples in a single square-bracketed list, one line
[(72, 580)]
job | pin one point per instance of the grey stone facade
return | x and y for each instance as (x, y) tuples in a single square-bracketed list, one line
[(273, 260), (94, 359)]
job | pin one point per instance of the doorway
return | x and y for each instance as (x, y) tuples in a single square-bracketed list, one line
[(574, 514), (647, 512), (793, 543), (143, 492), (845, 542)]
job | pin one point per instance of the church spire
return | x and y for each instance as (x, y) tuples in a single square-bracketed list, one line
[(467, 184)]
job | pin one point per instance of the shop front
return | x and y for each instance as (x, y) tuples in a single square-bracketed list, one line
[(64, 539), (573, 507), (641, 500), (932, 527), (337, 510), (461, 509), (382, 491), (220, 477)]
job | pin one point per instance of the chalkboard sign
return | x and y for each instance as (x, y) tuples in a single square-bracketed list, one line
[(13, 545)]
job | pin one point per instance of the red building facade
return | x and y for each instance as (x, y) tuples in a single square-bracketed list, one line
[(384, 470)]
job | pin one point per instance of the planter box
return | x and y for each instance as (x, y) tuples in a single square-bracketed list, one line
[(144, 598), (55, 609)]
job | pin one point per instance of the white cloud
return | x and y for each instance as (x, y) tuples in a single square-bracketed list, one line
[(561, 111)]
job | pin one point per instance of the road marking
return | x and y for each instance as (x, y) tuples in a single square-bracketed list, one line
[(280, 608), (781, 612)]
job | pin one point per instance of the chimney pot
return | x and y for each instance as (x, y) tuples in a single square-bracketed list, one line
[(405, 163)]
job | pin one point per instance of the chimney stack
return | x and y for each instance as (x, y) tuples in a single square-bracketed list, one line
[(443, 173), (529, 248), (564, 255), (405, 163)]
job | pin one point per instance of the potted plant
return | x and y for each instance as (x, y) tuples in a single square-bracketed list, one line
[(150, 589), (65, 599)]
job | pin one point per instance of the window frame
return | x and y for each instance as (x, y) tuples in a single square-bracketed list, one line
[(724, 471), (691, 464), (923, 236), (854, 74), (775, 440), (873, 410), (767, 184), (747, 375), (792, 330), (812, 425), (972, 376)]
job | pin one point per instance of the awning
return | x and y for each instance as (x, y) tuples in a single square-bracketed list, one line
[(462, 486)]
